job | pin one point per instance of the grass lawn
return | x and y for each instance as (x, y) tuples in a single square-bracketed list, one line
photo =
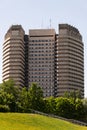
[(17, 121)]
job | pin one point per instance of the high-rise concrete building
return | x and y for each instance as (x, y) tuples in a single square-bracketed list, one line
[(14, 55), (70, 60), (42, 59), (53, 61)]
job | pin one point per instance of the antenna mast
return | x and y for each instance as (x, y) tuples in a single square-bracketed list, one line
[(50, 22), (42, 24)]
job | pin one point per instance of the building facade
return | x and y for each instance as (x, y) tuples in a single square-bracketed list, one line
[(14, 55), (70, 60), (53, 61), (42, 59)]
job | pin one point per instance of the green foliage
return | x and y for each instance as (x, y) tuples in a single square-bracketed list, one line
[(9, 94), (35, 92), (24, 102), (50, 105), (4, 108), (64, 107), (14, 99), (21, 99), (74, 95), (36, 96), (79, 109), (84, 101)]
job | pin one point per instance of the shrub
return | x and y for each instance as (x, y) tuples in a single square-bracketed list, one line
[(4, 108)]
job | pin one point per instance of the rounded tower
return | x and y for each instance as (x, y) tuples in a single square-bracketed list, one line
[(70, 60), (13, 55)]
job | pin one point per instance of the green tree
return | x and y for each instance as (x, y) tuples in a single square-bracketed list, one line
[(36, 97), (85, 105), (24, 103), (74, 95), (10, 87), (79, 109), (64, 107), (9, 94), (50, 105)]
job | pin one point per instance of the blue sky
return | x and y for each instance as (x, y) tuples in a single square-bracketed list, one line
[(37, 14)]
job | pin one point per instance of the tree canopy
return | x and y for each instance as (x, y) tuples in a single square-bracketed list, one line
[(16, 99)]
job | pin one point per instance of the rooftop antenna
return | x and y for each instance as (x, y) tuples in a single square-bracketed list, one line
[(50, 22), (42, 24)]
